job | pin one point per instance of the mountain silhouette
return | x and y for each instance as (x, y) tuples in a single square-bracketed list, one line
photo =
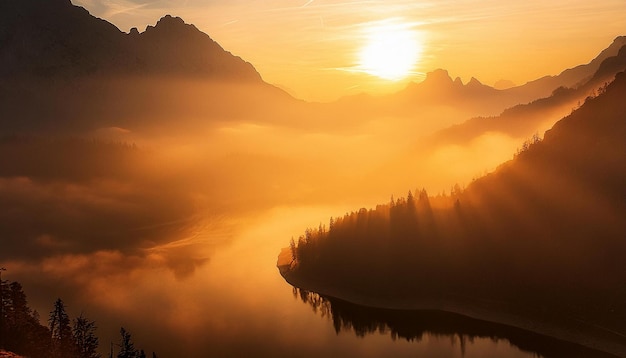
[(63, 70), (178, 48), (53, 38), (611, 65), (474, 97), (437, 89), (575, 76), (523, 120), (438, 85)]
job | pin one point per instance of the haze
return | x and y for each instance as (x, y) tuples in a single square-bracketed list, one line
[(310, 48), (149, 179)]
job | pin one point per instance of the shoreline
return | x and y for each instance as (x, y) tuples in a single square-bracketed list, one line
[(565, 329)]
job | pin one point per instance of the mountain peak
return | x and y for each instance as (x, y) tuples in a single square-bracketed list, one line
[(170, 21), (503, 84), (610, 66), (473, 82), (619, 41), (439, 75), (171, 25), (174, 47), (438, 78)]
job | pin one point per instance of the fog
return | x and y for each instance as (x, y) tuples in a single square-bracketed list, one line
[(162, 208)]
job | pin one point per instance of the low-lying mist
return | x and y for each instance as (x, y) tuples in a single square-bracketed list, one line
[(146, 198)]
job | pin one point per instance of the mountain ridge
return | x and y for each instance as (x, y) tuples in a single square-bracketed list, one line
[(439, 87), (522, 118), (64, 71), (55, 39)]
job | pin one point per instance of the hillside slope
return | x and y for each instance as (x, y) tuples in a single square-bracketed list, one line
[(541, 238)]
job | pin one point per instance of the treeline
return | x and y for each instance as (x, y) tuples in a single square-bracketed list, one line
[(21, 331), (67, 158), (391, 249), (545, 230)]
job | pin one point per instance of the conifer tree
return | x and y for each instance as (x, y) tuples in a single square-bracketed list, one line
[(84, 332), (127, 348), (17, 317), (61, 332), (292, 248), (2, 311)]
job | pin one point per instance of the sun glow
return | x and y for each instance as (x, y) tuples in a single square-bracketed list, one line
[(391, 51)]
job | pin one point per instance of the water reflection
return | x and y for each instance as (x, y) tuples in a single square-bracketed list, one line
[(416, 326)]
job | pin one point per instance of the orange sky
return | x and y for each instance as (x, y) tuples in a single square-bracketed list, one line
[(311, 47)]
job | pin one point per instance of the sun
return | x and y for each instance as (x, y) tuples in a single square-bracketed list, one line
[(391, 51)]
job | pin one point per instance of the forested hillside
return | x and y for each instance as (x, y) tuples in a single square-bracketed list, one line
[(543, 233), (22, 332)]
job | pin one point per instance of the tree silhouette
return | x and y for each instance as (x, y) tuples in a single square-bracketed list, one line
[(2, 323), (17, 317), (24, 334), (84, 332), (22, 331), (127, 348), (61, 332), (292, 248)]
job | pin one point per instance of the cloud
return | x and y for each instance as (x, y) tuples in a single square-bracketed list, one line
[(42, 219)]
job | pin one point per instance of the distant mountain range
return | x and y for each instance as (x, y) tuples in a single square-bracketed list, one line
[(440, 89), (576, 76), (523, 120), (64, 70)]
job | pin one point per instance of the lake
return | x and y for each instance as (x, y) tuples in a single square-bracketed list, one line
[(234, 303)]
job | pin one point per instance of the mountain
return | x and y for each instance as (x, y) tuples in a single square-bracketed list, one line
[(575, 76), (610, 66), (525, 119), (53, 38), (437, 90), (64, 71), (474, 98), (537, 244), (439, 86)]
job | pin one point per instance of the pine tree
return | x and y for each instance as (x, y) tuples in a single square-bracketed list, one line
[(84, 332), (2, 311), (23, 333), (17, 317), (127, 348), (294, 252), (61, 332)]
